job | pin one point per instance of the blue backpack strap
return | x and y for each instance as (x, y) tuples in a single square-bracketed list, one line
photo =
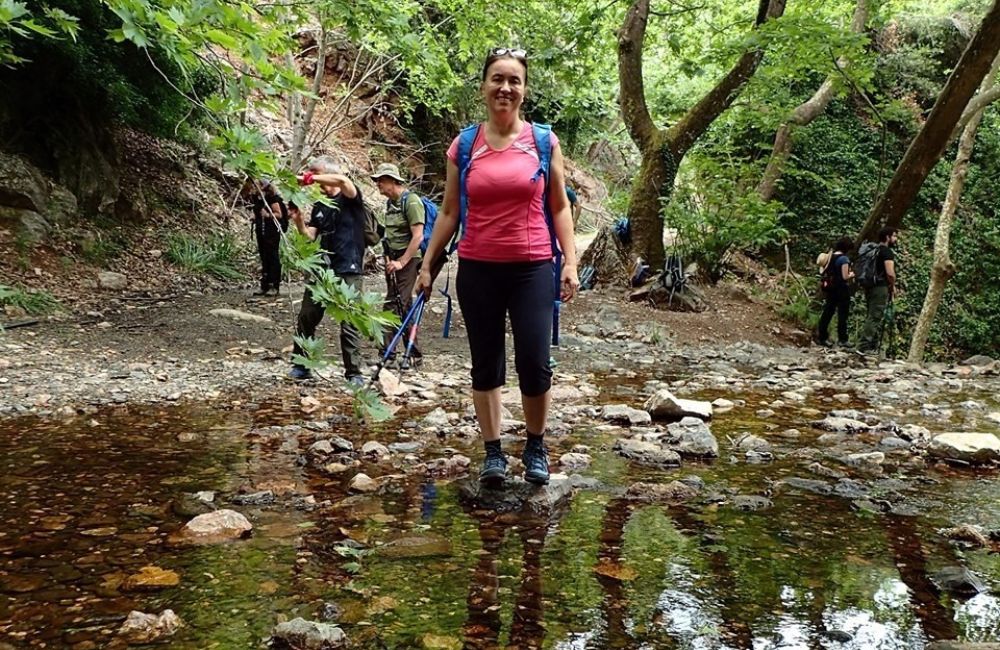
[(466, 140)]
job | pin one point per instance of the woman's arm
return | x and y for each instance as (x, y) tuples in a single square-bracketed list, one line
[(562, 221)]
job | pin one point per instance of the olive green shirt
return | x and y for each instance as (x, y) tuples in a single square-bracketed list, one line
[(398, 224)]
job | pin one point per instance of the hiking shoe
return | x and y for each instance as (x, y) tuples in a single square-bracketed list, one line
[(536, 462), (494, 470), (300, 373), (846, 345), (825, 344), (356, 380)]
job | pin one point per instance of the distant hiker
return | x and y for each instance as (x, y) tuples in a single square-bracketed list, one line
[(835, 282), (405, 215), (876, 271), (574, 205), (340, 227), (269, 214), (499, 176)]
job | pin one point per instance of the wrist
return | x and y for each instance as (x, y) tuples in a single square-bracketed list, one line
[(307, 178)]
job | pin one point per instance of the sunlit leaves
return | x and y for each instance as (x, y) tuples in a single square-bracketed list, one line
[(16, 21)]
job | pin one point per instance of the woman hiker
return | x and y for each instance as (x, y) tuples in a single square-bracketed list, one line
[(837, 289)]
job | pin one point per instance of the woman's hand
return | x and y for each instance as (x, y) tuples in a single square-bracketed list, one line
[(423, 283), (569, 282)]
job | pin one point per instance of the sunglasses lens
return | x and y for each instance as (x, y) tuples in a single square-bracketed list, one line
[(505, 51)]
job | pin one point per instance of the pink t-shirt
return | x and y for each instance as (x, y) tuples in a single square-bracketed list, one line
[(505, 221)]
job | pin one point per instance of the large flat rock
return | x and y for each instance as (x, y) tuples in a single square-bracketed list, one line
[(663, 405), (975, 448), (517, 495)]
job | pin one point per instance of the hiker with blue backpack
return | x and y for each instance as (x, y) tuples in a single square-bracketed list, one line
[(405, 217), (505, 194)]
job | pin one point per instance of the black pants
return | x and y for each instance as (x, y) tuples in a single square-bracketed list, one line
[(270, 262), (838, 299), (310, 316), (487, 293)]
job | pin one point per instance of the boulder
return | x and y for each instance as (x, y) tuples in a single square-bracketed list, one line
[(140, 628), (662, 405), (436, 418), (647, 453), (966, 447), (692, 437), (216, 526), (840, 425), (451, 466), (300, 634), (622, 414), (958, 581), (978, 360), (374, 449), (362, 483), (574, 460)]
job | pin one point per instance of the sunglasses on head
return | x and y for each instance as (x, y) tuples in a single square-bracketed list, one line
[(517, 53)]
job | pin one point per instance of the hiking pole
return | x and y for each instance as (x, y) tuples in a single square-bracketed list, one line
[(557, 299), (414, 328), (417, 304), (446, 330)]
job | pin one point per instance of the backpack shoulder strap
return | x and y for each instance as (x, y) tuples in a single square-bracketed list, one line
[(543, 145), (466, 140)]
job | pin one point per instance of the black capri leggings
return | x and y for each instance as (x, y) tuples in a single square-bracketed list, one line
[(487, 292)]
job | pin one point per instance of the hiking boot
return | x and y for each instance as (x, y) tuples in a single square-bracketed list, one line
[(825, 344), (536, 462), (846, 345), (300, 373), (494, 470), (356, 380)]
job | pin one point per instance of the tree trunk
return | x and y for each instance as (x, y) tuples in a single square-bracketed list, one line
[(932, 140), (662, 151), (805, 113), (301, 126), (944, 268)]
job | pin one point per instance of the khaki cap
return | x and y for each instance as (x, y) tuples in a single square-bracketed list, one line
[(387, 169)]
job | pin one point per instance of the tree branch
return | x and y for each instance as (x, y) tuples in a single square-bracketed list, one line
[(632, 95)]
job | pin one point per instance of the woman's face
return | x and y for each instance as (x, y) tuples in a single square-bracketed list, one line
[(503, 88)]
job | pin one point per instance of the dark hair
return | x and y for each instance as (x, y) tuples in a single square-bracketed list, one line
[(493, 57), (844, 244), (886, 233)]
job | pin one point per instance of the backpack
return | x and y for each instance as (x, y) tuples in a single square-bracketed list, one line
[(374, 231), (430, 216), (867, 271)]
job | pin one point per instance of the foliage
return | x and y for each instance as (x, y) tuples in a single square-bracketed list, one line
[(17, 21), (713, 214), (36, 303), (214, 255)]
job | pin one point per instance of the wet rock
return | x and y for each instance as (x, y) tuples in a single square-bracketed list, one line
[(838, 636), (374, 449), (978, 360), (321, 448), (828, 472), (390, 385), (751, 502), (217, 526), (235, 314), (722, 405), (300, 634), (140, 628), (808, 485), (191, 505), (869, 459), (673, 492), (405, 447), (622, 414), (262, 498), (647, 453), (961, 645), (750, 442), (436, 418), (892, 442), (973, 448), (758, 457), (663, 405), (850, 489), (339, 444), (692, 437), (416, 546), (840, 425), (573, 460), (362, 483), (517, 495), (151, 578), (455, 465), (958, 581), (967, 534)]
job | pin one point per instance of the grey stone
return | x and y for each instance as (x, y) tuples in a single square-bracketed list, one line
[(112, 281), (692, 437), (220, 525), (623, 414), (140, 628), (375, 449), (573, 460), (750, 502), (673, 492), (958, 581), (978, 360), (300, 634), (808, 485), (237, 315), (840, 425), (263, 498), (647, 453), (663, 405)]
